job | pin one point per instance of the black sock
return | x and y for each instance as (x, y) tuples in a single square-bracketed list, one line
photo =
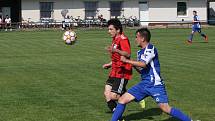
[(111, 105)]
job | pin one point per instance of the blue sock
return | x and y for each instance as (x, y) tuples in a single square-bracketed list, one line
[(191, 37), (118, 112), (203, 35), (179, 115)]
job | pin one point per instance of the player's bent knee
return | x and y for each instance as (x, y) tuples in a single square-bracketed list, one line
[(126, 98), (165, 108), (114, 96), (123, 100), (106, 94)]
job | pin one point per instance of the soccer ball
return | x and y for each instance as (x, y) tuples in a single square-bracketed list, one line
[(69, 37)]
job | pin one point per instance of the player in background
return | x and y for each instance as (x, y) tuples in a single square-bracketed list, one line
[(120, 72), (151, 83), (196, 27), (7, 23)]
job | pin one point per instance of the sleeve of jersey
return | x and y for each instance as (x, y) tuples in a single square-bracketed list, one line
[(148, 56), (197, 18), (125, 45)]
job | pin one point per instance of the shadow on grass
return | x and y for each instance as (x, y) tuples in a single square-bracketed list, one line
[(202, 42), (146, 114), (171, 119)]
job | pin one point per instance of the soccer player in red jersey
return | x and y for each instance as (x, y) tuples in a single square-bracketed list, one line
[(120, 72)]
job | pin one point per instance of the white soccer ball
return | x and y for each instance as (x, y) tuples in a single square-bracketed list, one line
[(69, 37)]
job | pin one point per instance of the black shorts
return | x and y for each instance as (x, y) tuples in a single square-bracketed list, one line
[(118, 85)]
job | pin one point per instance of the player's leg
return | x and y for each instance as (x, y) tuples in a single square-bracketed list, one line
[(203, 35), (120, 108), (137, 92), (107, 93), (118, 88), (10, 26), (159, 94), (190, 39), (6, 26), (174, 112), (110, 103), (114, 88)]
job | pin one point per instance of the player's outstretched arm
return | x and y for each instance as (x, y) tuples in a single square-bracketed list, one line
[(122, 53), (134, 63), (107, 65), (138, 69)]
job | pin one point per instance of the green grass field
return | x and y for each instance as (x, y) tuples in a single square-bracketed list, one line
[(42, 79)]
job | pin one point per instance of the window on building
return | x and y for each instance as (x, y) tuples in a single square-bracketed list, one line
[(90, 8), (181, 8), (46, 9), (115, 8)]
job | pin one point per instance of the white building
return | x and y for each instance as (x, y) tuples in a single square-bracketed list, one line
[(145, 10)]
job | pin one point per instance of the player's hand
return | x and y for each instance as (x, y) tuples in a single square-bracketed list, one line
[(108, 48), (123, 59), (106, 66), (111, 49)]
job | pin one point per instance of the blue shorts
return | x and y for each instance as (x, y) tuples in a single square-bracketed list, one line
[(140, 91), (195, 29)]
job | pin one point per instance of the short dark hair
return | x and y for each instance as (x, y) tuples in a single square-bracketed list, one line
[(116, 23), (145, 33), (195, 11)]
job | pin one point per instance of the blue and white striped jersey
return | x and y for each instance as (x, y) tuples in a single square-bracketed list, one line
[(150, 75), (196, 24)]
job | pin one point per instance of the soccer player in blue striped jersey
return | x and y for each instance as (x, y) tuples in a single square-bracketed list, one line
[(196, 27), (151, 84)]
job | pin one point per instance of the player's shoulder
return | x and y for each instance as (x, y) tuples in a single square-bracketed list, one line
[(150, 46), (196, 16), (123, 37), (150, 49), (140, 51)]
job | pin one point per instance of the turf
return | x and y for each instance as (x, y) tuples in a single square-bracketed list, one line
[(42, 79)]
